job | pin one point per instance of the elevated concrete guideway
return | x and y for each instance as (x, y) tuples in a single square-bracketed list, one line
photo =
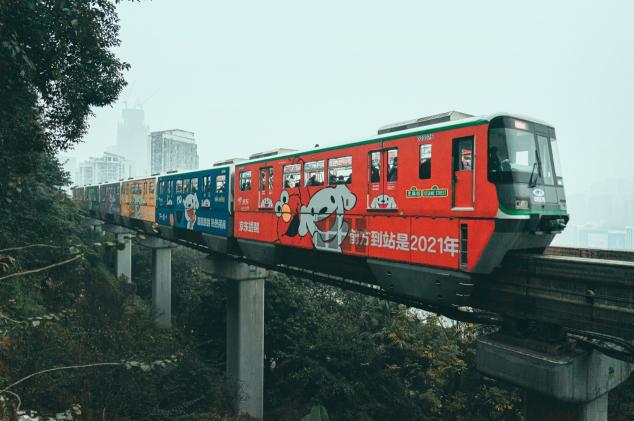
[(572, 292), (560, 384)]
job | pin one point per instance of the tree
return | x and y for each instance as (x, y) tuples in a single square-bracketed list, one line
[(55, 64)]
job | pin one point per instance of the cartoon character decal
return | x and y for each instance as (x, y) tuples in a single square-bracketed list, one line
[(317, 221), (287, 210), (191, 206), (266, 203), (323, 217), (136, 207), (383, 201)]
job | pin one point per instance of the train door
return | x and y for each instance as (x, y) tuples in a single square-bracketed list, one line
[(463, 177), (382, 179), (265, 190), (375, 168)]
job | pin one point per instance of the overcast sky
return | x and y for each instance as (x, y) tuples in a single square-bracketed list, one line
[(250, 76)]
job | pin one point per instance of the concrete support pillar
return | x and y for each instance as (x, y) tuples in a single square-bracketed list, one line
[(245, 330), (123, 260), (124, 256), (161, 280), (560, 385)]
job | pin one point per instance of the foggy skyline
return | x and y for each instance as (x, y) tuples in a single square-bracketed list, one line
[(247, 78)]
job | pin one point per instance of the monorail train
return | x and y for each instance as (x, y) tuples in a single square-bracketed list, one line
[(420, 209)]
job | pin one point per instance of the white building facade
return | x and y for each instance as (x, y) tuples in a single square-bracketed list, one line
[(172, 150), (110, 167)]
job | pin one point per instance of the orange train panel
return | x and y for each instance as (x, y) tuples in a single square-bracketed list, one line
[(138, 199)]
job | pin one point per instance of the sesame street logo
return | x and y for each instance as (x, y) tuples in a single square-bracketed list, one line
[(415, 193)]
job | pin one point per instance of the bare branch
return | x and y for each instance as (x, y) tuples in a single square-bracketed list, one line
[(69, 367), (17, 397), (31, 246), (3, 316), (45, 268)]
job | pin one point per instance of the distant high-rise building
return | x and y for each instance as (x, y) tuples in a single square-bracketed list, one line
[(69, 163), (132, 138), (110, 167), (173, 150)]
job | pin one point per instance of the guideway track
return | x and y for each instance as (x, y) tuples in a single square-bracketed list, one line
[(582, 293), (589, 298)]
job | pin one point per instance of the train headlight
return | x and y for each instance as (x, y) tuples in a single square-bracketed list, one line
[(521, 203), (562, 204)]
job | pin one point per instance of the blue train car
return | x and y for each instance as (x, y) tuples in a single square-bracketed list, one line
[(195, 206)]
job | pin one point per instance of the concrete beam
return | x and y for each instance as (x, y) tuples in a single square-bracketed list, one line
[(161, 279), (567, 384), (95, 224), (245, 330)]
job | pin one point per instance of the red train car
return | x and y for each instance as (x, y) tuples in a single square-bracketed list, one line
[(419, 208)]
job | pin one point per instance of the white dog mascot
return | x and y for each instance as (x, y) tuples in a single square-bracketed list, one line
[(191, 206), (323, 217)]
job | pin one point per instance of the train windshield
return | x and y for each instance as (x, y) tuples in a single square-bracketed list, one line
[(518, 153)]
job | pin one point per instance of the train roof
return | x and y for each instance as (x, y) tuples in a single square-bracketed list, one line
[(189, 172), (430, 128)]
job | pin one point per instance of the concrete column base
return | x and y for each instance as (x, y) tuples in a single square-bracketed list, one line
[(95, 225), (161, 280), (566, 385), (124, 250), (245, 330)]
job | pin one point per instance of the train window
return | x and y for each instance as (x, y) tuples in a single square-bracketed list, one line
[(263, 179), (314, 173), (266, 179), (151, 187), (392, 165), (424, 167), (170, 187), (187, 186), (206, 184), (555, 150), (195, 185), (546, 163), (220, 183), (340, 170), (292, 175), (145, 187), (245, 181), (179, 186), (375, 167), (463, 161)]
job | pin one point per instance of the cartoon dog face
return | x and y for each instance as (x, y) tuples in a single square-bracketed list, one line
[(383, 201), (323, 217), (191, 205)]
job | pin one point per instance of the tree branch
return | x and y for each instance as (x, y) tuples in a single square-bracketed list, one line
[(45, 268), (17, 397), (31, 246), (69, 367)]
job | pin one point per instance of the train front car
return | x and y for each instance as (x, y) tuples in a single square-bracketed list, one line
[(416, 210), (524, 166)]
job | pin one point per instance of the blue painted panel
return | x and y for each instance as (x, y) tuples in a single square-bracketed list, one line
[(197, 200)]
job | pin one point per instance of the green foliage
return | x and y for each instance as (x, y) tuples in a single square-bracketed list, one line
[(56, 62), (364, 359), (317, 413)]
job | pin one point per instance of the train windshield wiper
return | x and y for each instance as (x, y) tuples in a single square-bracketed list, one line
[(532, 183)]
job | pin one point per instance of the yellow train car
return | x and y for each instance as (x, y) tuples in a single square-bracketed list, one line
[(138, 202)]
